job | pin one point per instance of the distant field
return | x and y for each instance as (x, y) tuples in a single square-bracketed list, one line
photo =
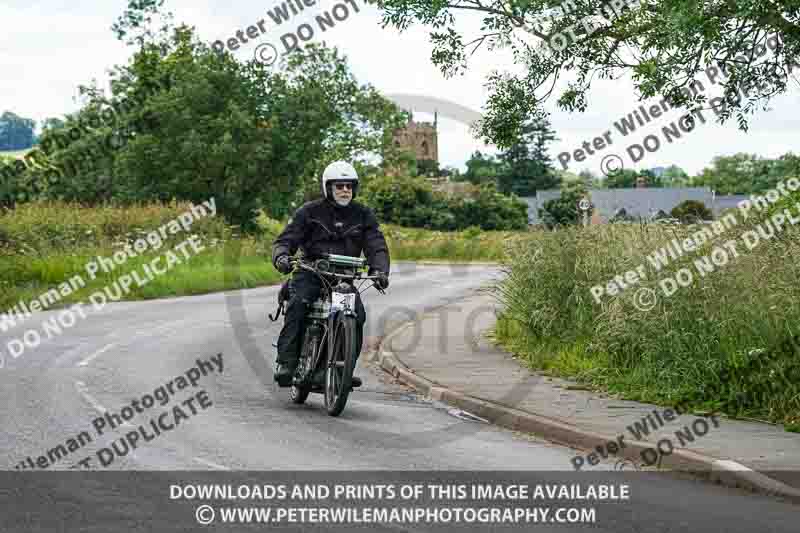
[(14, 153)]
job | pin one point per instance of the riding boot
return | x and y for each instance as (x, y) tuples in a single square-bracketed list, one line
[(285, 373)]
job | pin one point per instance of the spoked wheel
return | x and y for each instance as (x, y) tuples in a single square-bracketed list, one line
[(339, 373)]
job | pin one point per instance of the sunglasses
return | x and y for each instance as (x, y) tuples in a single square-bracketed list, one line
[(343, 186)]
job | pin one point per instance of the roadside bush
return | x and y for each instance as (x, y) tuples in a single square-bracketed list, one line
[(270, 227), (690, 211), (563, 211), (790, 201), (398, 200), (412, 202), (42, 228), (19, 184), (622, 216), (491, 210)]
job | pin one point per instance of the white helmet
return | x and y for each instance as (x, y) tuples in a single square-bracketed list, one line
[(339, 171)]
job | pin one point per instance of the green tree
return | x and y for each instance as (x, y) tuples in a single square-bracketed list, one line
[(627, 178), (650, 179), (663, 45), (52, 123), (409, 201), (767, 173), (482, 168), (527, 167), (491, 210), (563, 211), (675, 176), (428, 167), (452, 172), (190, 123), (590, 179), (621, 179), (744, 173), (567, 176), (399, 162)]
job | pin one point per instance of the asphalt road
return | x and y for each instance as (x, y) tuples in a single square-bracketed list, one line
[(127, 350)]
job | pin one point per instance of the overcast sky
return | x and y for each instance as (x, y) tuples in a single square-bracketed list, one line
[(49, 47)]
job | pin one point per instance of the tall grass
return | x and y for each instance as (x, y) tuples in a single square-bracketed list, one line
[(471, 244), (45, 244), (730, 341)]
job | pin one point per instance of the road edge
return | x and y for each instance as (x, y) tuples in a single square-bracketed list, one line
[(708, 468)]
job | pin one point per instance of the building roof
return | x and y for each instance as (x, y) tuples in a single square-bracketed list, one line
[(641, 202), (727, 202)]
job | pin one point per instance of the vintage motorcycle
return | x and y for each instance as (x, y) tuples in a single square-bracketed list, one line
[(328, 352)]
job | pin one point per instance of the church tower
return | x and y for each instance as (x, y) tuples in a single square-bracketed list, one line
[(419, 138)]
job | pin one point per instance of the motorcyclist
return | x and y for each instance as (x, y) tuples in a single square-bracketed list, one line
[(333, 224)]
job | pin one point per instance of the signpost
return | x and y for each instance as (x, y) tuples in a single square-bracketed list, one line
[(584, 206)]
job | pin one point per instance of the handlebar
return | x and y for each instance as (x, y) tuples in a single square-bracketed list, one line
[(357, 275), (310, 267)]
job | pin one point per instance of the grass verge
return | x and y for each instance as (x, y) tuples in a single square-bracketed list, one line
[(728, 341), (43, 245)]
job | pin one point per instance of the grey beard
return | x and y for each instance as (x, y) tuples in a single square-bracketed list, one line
[(343, 203)]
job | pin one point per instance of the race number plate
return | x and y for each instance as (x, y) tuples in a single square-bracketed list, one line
[(343, 301)]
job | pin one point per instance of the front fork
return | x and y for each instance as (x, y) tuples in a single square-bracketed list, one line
[(332, 329)]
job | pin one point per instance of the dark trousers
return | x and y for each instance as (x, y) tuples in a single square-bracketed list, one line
[(307, 288)]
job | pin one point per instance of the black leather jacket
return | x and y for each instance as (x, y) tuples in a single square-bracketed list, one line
[(321, 227)]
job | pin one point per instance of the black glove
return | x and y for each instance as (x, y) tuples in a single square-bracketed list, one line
[(382, 280), (283, 264)]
